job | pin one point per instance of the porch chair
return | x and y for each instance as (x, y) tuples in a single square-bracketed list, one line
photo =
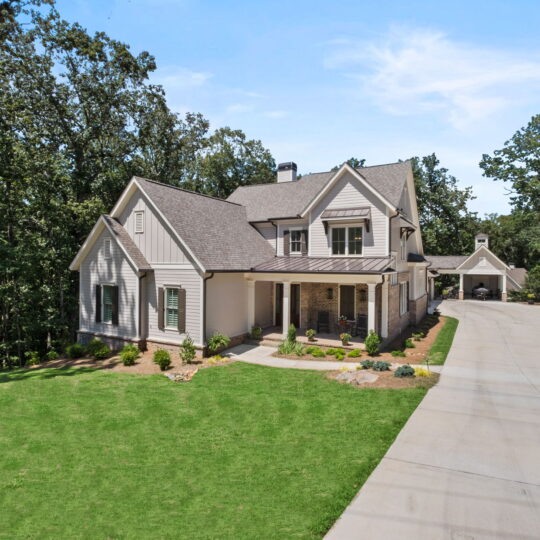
[(361, 326), (323, 321)]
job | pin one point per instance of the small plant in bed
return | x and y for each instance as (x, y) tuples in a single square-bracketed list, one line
[(381, 365), (404, 371), (256, 332), (355, 353), (129, 354), (408, 344), (417, 336), (52, 355), (163, 359), (187, 350), (310, 334), (398, 354), (373, 341), (345, 338), (95, 345), (75, 351), (291, 348), (366, 364), (335, 351), (102, 353), (317, 352), (218, 342)]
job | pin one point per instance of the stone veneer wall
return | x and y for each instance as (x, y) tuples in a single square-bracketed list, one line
[(418, 309)]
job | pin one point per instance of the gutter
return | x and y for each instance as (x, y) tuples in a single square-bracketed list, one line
[(203, 337)]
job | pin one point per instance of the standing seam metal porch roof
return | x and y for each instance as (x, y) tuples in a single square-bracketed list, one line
[(325, 265)]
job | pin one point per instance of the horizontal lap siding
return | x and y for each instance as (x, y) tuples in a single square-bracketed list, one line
[(156, 243), (226, 305), (97, 270), (349, 193), (188, 279), (285, 226)]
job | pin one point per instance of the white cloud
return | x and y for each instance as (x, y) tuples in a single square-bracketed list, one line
[(275, 115), (419, 71), (239, 108), (179, 77)]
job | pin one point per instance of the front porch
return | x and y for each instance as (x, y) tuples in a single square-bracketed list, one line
[(275, 333)]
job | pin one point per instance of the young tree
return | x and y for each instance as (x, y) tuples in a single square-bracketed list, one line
[(355, 163)]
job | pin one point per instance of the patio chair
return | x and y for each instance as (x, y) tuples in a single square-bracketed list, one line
[(361, 325), (323, 321)]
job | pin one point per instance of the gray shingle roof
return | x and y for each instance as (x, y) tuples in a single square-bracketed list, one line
[(519, 275), (128, 244), (288, 199), (216, 231), (309, 265), (446, 262)]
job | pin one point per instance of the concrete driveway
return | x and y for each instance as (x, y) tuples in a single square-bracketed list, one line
[(467, 463)]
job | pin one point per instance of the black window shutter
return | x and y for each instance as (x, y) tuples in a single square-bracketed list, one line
[(160, 308), (286, 243), (182, 311), (114, 320), (304, 242), (98, 303)]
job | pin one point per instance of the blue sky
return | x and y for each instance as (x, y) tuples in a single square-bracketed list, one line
[(319, 82)]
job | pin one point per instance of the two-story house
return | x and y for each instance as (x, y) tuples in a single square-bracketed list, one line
[(168, 262)]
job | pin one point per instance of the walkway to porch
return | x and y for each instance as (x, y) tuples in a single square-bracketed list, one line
[(275, 333)]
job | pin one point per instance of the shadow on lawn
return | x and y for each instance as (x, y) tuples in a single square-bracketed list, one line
[(45, 372)]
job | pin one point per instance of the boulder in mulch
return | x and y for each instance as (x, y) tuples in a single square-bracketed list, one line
[(357, 377), (184, 376)]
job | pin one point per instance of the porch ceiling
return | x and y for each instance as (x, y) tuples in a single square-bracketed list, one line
[(327, 265)]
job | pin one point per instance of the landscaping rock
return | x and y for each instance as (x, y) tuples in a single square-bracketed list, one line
[(185, 376), (357, 377)]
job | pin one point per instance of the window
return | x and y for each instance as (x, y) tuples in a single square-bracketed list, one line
[(296, 241), (481, 240), (347, 240), (171, 308), (139, 221), (403, 297), (393, 279), (107, 248), (404, 246), (107, 303)]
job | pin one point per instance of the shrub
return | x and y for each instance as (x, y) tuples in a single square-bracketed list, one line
[(291, 347), (162, 358), (52, 355), (187, 350), (32, 358), (218, 342), (355, 353), (319, 354), (381, 366), (408, 344), (102, 353), (291, 333), (75, 351), (337, 350), (310, 334), (421, 372), (94, 345), (129, 354), (396, 354), (404, 371), (366, 364), (339, 357), (256, 332), (418, 336), (373, 341)]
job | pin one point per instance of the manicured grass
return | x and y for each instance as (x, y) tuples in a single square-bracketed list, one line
[(239, 452), (441, 346)]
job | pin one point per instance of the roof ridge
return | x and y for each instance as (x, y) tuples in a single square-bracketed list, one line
[(284, 183), (186, 190), (384, 164)]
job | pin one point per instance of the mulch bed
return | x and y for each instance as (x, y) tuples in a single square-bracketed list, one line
[(386, 379)]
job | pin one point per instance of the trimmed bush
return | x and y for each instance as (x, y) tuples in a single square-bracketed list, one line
[(187, 350), (94, 345), (52, 355), (256, 332), (373, 341), (339, 357), (355, 353), (162, 358), (291, 333), (337, 350), (218, 342), (396, 354), (366, 364), (421, 372), (102, 353), (75, 351), (380, 365), (404, 371), (311, 349), (129, 354), (408, 344)]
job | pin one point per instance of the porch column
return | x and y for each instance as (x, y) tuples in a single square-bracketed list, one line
[(431, 288), (461, 293), (503, 288), (371, 307), (286, 310), (384, 309), (250, 304)]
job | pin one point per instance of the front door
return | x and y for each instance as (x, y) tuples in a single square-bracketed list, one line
[(295, 305), (279, 304), (346, 301)]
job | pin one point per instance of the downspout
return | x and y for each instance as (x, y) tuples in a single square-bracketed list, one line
[(204, 307), (141, 277)]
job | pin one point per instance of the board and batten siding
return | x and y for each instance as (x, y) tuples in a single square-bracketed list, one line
[(348, 192), (190, 280), (116, 270), (156, 242)]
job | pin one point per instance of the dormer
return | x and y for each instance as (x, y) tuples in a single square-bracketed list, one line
[(480, 240)]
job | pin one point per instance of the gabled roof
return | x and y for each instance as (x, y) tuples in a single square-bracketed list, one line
[(122, 238), (290, 199), (217, 232), (325, 265), (484, 249), (446, 262), (518, 275)]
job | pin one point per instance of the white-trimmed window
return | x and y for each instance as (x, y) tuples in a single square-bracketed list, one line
[(171, 307), (347, 240), (403, 297), (296, 241), (107, 303), (107, 248), (139, 221), (403, 246)]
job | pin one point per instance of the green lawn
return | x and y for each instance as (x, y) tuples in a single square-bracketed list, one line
[(441, 346), (239, 452)]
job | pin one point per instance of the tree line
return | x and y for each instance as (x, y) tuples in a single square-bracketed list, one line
[(79, 116)]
